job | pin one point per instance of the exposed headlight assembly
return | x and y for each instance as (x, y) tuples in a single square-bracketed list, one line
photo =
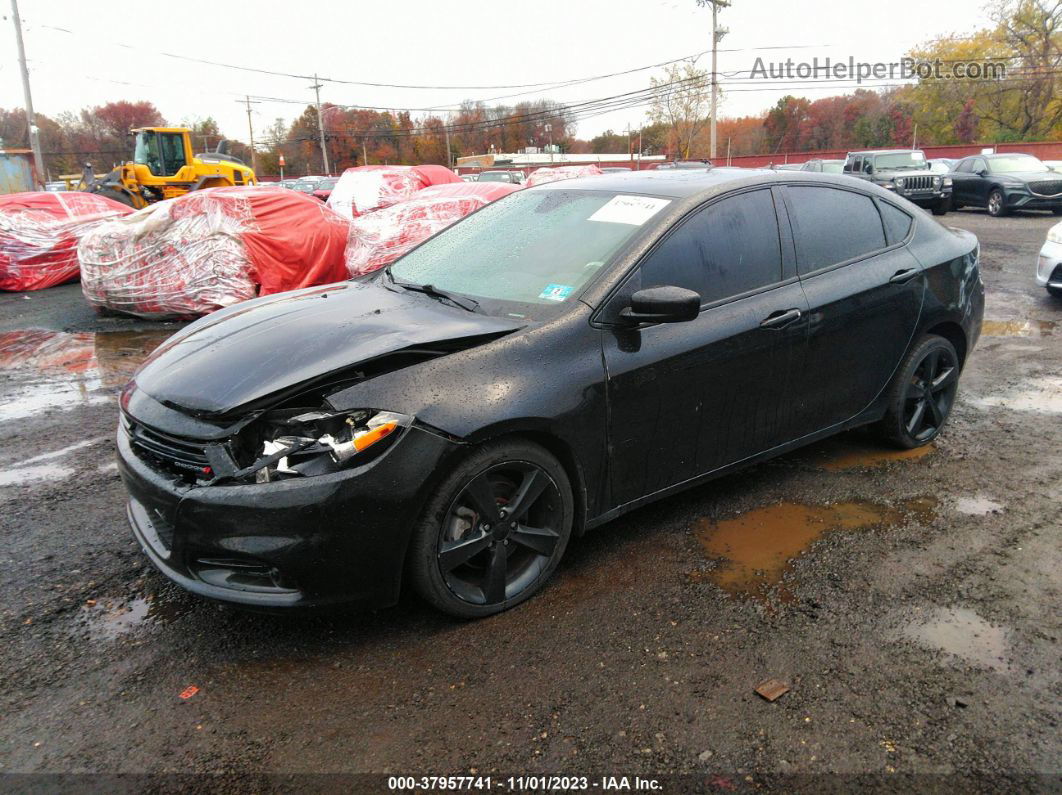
[(1054, 234), (899, 182), (947, 182), (285, 444)]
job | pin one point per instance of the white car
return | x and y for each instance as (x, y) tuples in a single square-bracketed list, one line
[(1049, 264)]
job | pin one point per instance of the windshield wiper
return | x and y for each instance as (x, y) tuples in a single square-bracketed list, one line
[(464, 302)]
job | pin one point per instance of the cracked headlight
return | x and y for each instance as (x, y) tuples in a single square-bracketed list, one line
[(318, 442)]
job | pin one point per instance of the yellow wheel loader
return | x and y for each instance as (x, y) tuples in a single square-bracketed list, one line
[(164, 167)]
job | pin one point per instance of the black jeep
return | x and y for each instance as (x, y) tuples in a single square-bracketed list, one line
[(904, 171)]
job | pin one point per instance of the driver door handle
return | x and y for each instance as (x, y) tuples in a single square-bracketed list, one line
[(903, 276), (781, 318)]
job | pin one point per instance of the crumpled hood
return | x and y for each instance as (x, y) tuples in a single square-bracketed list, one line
[(254, 349)]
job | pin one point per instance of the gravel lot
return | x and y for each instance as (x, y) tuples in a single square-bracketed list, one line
[(909, 602)]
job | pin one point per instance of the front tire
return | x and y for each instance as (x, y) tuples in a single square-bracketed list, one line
[(941, 207), (922, 393), (494, 531), (997, 203)]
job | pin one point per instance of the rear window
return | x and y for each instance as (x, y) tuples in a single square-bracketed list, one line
[(832, 226), (897, 222)]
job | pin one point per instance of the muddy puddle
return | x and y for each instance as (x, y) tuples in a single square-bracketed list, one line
[(757, 548), (1042, 395), (1018, 328), (962, 635), (858, 451), (108, 619), (54, 369), (977, 505)]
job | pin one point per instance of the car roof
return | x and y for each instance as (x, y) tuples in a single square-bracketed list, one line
[(673, 183), (883, 151), (1004, 154)]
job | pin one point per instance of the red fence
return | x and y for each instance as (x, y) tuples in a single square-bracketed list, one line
[(1045, 150)]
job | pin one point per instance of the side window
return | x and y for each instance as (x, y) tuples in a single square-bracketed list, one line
[(849, 165), (964, 166), (725, 249), (897, 222), (832, 226), (172, 153)]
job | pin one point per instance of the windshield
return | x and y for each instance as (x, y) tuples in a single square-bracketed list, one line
[(939, 167), (327, 184), (1008, 165), (530, 251), (146, 152), (494, 176), (832, 166), (900, 160)]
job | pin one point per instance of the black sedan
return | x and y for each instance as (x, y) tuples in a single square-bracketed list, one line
[(1001, 183), (556, 359)]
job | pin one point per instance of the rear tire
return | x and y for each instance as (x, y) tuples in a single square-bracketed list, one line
[(941, 207), (471, 557), (921, 394)]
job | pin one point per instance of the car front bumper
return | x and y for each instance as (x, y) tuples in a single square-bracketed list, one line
[(1024, 200), (338, 538), (1049, 266)]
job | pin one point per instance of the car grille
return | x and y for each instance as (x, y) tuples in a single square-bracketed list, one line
[(172, 454), (918, 183), (1046, 188)]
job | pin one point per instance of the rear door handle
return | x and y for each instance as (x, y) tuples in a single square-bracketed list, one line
[(781, 318), (903, 276)]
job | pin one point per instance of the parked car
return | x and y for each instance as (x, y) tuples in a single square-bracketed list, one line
[(820, 166), (468, 177), (788, 166), (941, 165), (906, 173), (55, 187), (1049, 263), (1004, 182), (512, 177), (615, 169), (324, 188), (1054, 165), (564, 355), (305, 185)]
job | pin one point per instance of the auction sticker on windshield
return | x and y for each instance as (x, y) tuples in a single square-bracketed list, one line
[(633, 210), (556, 292)]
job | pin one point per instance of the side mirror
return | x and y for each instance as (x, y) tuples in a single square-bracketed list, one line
[(981, 172), (663, 305)]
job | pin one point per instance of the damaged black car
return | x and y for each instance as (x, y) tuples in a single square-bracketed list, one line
[(559, 357)]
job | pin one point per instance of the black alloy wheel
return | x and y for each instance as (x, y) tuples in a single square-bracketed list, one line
[(997, 203), (922, 393), (494, 532)]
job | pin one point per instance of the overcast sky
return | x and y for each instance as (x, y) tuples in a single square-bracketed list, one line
[(114, 50)]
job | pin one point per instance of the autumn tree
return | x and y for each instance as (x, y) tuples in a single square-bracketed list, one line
[(681, 100)]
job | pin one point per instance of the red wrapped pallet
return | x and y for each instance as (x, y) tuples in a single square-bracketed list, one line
[(540, 176), (39, 233), (364, 189), (379, 238), (209, 249)]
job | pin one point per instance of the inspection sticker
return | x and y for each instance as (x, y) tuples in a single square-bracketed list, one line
[(633, 210), (556, 292)]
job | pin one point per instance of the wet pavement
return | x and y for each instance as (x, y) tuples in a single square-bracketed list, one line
[(908, 600)]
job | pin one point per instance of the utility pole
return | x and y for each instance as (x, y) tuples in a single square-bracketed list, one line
[(630, 152), (640, 150), (717, 34), (320, 123), (250, 132), (31, 124), (446, 129), (549, 131)]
